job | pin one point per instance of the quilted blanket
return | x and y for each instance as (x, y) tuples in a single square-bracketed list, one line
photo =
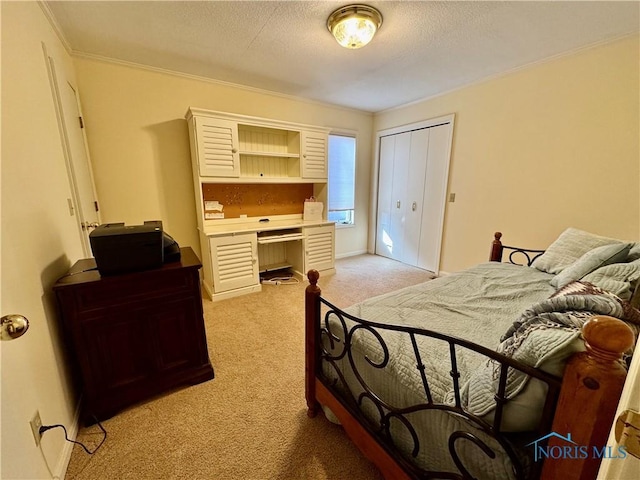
[(545, 336), (481, 304)]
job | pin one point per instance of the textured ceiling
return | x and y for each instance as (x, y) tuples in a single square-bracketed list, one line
[(423, 48)]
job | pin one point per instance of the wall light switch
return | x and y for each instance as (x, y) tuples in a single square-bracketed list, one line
[(452, 197)]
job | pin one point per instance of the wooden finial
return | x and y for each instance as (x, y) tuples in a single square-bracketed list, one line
[(496, 248), (313, 276), (607, 337)]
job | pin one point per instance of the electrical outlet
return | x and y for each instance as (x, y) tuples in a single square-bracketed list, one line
[(36, 423)]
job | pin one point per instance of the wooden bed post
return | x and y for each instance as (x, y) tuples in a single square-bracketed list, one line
[(496, 248), (589, 396), (312, 338)]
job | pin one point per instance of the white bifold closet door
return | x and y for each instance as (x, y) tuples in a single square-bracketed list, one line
[(411, 195)]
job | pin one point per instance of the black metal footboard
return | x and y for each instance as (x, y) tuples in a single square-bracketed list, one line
[(400, 428)]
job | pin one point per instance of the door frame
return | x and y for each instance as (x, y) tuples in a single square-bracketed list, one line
[(75, 208), (375, 180)]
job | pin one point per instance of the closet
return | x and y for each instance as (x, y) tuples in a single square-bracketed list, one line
[(412, 187)]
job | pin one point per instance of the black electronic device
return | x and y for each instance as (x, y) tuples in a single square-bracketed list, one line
[(119, 248), (170, 248)]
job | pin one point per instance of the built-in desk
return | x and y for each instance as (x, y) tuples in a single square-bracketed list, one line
[(133, 336), (234, 254)]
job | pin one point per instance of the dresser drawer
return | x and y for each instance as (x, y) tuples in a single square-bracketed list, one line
[(133, 288)]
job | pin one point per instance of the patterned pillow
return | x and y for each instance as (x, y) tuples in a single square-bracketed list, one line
[(569, 247)]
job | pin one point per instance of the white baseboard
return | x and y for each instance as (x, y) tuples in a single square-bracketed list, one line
[(60, 470), (351, 254)]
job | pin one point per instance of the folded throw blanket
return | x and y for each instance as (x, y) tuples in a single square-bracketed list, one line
[(545, 336)]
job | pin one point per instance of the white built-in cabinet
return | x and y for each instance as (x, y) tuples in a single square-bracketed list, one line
[(234, 261), (412, 187), (217, 146), (237, 259), (314, 155), (235, 149), (319, 248), (257, 149)]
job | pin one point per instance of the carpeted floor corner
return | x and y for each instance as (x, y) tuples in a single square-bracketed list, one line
[(250, 421)]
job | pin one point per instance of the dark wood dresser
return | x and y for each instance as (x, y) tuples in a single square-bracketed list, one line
[(135, 335)]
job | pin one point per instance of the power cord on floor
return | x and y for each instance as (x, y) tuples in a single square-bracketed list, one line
[(280, 281), (44, 428)]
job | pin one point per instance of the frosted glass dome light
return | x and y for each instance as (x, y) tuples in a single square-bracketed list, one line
[(353, 26)]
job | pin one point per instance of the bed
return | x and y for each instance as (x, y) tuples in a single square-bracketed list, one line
[(479, 374)]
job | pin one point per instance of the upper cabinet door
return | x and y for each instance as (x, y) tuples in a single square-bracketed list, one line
[(314, 155), (217, 147)]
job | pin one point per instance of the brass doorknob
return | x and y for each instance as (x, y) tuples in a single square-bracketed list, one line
[(13, 326)]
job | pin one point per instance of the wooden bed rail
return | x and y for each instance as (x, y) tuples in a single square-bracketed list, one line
[(312, 341), (392, 468), (591, 388)]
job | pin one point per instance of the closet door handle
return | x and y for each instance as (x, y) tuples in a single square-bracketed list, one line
[(414, 205), (398, 204)]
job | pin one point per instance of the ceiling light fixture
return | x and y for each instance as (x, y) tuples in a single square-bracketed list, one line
[(353, 26)]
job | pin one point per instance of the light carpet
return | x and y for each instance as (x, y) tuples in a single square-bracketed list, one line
[(250, 421)]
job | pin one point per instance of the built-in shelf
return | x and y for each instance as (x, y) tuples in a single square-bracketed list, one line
[(275, 267), (269, 154), (249, 180)]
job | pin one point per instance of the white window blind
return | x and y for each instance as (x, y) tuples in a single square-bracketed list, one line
[(342, 172)]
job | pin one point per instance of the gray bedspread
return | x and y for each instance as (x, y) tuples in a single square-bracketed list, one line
[(478, 304)]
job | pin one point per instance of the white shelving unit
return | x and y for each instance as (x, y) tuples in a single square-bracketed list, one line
[(236, 149)]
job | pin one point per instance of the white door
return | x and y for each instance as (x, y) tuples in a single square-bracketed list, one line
[(403, 160), (393, 201), (85, 204), (412, 188), (384, 240), (415, 194), (399, 179), (435, 193)]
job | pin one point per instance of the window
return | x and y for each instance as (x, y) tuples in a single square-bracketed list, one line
[(342, 179)]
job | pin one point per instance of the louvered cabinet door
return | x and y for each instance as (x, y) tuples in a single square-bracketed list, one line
[(319, 253), (234, 260), (217, 144), (314, 155)]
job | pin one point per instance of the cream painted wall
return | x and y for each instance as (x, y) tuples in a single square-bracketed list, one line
[(139, 143), (40, 240), (541, 149)]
